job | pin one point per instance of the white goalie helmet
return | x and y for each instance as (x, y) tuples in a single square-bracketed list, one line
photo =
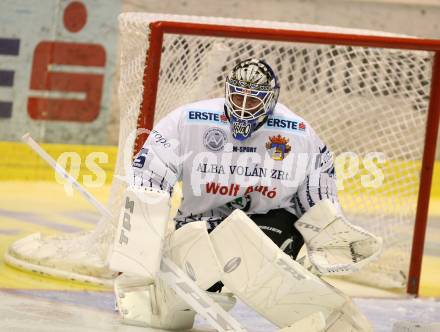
[(252, 90)]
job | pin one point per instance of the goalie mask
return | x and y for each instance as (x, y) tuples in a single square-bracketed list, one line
[(252, 91)]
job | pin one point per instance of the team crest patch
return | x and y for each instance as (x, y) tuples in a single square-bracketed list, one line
[(214, 139), (278, 147)]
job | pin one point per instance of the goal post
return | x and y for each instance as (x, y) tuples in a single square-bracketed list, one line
[(421, 219), (374, 98)]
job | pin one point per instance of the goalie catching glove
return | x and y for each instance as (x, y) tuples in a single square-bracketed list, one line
[(333, 244)]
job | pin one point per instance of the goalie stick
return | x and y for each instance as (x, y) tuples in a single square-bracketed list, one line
[(27, 138), (169, 272)]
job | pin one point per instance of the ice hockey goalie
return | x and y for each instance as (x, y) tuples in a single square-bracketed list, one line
[(257, 184)]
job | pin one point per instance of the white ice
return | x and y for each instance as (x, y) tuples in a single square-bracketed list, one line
[(22, 310)]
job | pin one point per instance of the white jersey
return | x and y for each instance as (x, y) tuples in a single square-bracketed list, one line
[(282, 165)]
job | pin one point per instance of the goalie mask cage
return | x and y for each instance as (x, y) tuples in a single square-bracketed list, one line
[(375, 96)]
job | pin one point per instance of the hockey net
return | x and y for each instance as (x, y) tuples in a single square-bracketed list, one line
[(369, 104)]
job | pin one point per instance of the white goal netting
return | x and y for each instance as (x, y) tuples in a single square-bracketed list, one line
[(368, 104)]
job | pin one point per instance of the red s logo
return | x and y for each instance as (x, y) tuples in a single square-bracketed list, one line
[(88, 86)]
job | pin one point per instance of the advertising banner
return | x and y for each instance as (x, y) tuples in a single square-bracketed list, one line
[(57, 64)]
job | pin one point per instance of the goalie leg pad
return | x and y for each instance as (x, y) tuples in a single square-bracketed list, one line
[(142, 302), (268, 280), (313, 323), (191, 249), (348, 318), (139, 238)]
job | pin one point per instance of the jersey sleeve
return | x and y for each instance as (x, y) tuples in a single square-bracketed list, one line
[(320, 181), (158, 163)]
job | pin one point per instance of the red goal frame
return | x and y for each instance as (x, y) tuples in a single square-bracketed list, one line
[(151, 80)]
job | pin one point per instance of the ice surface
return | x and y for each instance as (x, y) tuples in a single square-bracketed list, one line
[(23, 310)]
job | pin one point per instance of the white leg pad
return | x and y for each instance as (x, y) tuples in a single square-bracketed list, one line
[(143, 303), (348, 318), (312, 323), (191, 249), (268, 280)]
